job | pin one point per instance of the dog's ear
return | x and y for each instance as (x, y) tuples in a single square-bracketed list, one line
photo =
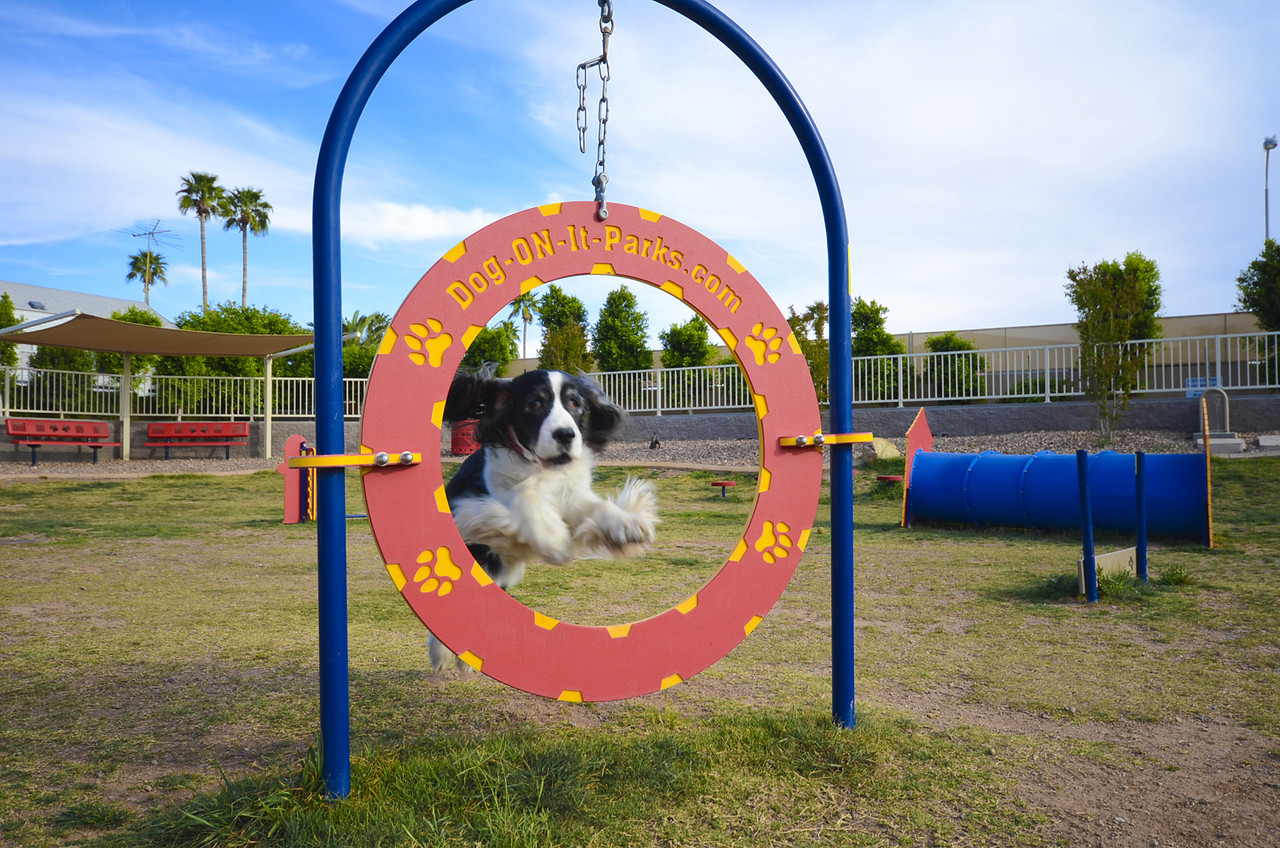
[(604, 417), (474, 396)]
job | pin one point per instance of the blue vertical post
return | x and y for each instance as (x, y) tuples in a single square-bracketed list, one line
[(841, 336), (1140, 504), (326, 256), (1086, 528)]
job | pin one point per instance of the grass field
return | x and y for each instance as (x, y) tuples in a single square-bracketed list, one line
[(158, 640)]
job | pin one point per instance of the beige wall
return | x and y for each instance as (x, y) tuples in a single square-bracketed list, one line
[(1177, 327)]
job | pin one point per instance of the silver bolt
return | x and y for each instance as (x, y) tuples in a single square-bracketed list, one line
[(381, 458)]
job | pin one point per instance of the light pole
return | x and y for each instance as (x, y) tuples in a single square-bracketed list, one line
[(1268, 144)]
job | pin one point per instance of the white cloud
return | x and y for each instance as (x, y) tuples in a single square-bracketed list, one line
[(387, 9), (98, 160), (196, 44), (374, 223), (981, 147)]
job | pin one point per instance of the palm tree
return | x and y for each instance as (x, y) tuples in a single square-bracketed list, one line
[(526, 306), (817, 314), (245, 208), (369, 329), (150, 268), (200, 193)]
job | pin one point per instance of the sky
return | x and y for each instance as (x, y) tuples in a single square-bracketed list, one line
[(982, 147)]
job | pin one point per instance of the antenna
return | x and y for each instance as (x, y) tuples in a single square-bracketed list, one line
[(153, 234)]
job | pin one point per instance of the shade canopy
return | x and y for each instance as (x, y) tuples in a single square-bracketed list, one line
[(106, 335)]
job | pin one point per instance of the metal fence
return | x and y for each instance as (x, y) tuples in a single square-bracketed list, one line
[(1246, 361), (1044, 373), (34, 391), (659, 390), (295, 397)]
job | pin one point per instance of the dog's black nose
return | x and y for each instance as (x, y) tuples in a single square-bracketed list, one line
[(564, 436)]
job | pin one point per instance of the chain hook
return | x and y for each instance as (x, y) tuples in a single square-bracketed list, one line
[(601, 178)]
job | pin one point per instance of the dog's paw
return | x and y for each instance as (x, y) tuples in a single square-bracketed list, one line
[(441, 657), (554, 546), (631, 527)]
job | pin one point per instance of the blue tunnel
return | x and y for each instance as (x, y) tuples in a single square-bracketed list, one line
[(1043, 491)]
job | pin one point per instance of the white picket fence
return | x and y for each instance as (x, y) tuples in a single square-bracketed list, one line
[(1024, 374)]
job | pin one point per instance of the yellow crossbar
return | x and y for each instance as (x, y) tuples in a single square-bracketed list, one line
[(380, 459), (820, 439)]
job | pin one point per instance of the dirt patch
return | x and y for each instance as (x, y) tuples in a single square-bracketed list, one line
[(1189, 782), (186, 767), (24, 540)]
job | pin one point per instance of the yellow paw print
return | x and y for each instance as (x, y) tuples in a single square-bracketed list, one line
[(438, 577), (765, 344), (774, 541), (428, 343)]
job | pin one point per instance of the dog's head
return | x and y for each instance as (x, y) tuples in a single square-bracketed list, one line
[(542, 416)]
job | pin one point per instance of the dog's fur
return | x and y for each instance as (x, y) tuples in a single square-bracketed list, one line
[(526, 495)]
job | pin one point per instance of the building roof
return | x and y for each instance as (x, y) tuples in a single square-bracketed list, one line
[(36, 301), (90, 332)]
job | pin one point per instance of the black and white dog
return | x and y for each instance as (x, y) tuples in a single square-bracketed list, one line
[(526, 495)]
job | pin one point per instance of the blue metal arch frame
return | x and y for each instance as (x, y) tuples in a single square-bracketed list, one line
[(327, 269)]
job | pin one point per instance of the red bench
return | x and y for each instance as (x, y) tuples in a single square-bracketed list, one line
[(36, 432), (197, 434)]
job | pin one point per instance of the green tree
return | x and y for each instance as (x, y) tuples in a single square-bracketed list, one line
[(557, 308), (564, 332), (620, 337), (66, 395), (870, 338), (201, 194), (150, 267), (230, 317), (816, 316), (685, 345), (113, 363), (246, 210), (1116, 303), (526, 307), (957, 371), (63, 359), (8, 318), (358, 354), (565, 349), (874, 379), (494, 347), (1259, 287), (810, 328)]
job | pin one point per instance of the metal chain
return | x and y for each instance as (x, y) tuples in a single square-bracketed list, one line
[(601, 178)]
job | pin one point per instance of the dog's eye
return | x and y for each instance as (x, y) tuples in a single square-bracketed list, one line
[(573, 404)]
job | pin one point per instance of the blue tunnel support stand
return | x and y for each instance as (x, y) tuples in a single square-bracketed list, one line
[(327, 271), (1086, 528)]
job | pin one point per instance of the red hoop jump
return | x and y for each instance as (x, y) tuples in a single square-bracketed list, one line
[(404, 409)]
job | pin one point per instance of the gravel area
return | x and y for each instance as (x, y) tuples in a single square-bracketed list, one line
[(745, 452), (696, 453)]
